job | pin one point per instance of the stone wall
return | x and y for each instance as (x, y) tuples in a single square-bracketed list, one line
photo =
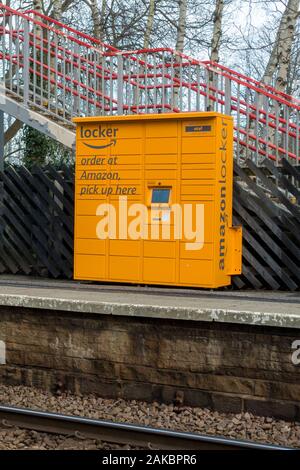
[(223, 366)]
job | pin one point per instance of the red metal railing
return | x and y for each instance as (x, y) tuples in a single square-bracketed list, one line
[(65, 73)]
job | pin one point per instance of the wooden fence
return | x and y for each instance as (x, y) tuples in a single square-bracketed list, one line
[(36, 223), (36, 213), (266, 203)]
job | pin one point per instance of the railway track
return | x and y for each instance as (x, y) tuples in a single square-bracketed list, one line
[(121, 433)]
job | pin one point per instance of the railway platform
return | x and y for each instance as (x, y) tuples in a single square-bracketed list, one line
[(230, 351), (265, 308)]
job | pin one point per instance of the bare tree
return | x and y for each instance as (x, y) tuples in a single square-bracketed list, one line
[(293, 81), (280, 57), (97, 17), (149, 25), (38, 5), (217, 31), (57, 9), (181, 28)]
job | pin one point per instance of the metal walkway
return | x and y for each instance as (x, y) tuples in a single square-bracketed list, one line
[(51, 73)]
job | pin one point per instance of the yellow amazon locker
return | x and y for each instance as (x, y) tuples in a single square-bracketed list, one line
[(153, 200)]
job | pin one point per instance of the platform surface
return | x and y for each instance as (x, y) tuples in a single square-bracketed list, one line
[(281, 309)]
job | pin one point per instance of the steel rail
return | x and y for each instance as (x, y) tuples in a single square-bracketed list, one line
[(121, 433)]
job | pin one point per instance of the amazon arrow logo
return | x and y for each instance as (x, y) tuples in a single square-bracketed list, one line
[(113, 142), (99, 132)]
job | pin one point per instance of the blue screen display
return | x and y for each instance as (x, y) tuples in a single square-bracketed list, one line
[(160, 195)]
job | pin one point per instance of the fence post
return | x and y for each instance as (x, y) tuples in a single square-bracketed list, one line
[(26, 64), (75, 75), (227, 96), (120, 67)]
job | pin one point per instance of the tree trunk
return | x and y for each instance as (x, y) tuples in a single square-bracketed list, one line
[(181, 25), (149, 25), (276, 73), (12, 130), (181, 28), (38, 5), (103, 9), (281, 53), (57, 10), (66, 4), (217, 31), (215, 49), (97, 18)]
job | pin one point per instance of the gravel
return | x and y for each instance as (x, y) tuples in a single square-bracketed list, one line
[(20, 439), (183, 418)]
